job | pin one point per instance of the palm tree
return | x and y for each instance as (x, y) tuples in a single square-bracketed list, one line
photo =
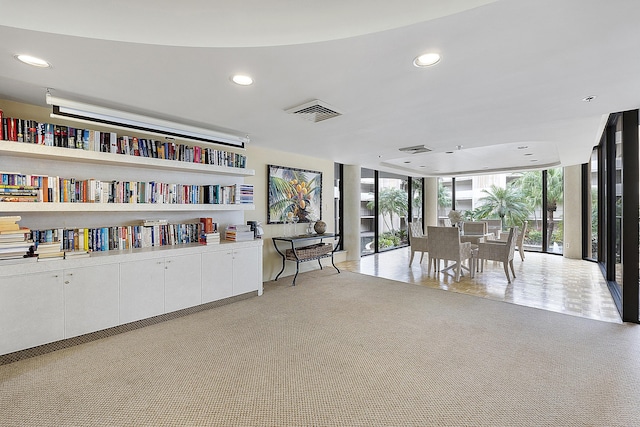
[(530, 183), (391, 201), (294, 192), (505, 202)]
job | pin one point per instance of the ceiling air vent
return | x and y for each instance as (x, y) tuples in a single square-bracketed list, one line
[(416, 149), (315, 111)]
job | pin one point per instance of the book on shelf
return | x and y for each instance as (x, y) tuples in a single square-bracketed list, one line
[(36, 188), (51, 256), (152, 222), (210, 239), (238, 236), (56, 135)]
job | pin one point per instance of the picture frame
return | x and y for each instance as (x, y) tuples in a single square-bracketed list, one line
[(293, 192)]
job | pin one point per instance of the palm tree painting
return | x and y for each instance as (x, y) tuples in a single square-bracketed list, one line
[(294, 192)]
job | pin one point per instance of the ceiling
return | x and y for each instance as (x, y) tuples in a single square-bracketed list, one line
[(507, 94)]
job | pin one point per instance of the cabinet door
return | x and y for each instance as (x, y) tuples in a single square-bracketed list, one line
[(217, 275), (141, 289), (182, 286), (90, 299), (31, 310), (247, 271)]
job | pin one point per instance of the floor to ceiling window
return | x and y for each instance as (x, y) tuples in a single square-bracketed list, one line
[(386, 201), (393, 210), (445, 200), (614, 214), (417, 197), (367, 211), (510, 199)]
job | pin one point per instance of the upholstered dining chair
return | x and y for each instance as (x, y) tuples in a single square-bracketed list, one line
[(475, 227), (446, 246), (499, 251), (519, 239), (417, 241)]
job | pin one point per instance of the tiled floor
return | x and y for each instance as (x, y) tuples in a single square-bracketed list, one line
[(545, 281)]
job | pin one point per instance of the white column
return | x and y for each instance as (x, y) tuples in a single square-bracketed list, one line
[(430, 202), (572, 216), (351, 214)]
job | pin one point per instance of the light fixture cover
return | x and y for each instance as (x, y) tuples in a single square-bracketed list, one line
[(87, 113)]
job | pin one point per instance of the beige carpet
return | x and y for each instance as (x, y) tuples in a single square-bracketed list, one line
[(340, 350)]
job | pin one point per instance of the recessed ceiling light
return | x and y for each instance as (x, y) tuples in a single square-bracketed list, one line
[(407, 162), (426, 60), (523, 147), (422, 166), (32, 60), (448, 152), (533, 160), (242, 80), (528, 154)]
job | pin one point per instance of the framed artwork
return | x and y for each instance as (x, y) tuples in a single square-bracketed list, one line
[(294, 192)]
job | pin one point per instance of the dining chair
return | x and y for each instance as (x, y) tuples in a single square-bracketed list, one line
[(417, 241), (446, 245), (499, 251)]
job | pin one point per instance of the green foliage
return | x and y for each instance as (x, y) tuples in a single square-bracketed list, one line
[(505, 203), (389, 239), (444, 196), (533, 237), (391, 201), (294, 193)]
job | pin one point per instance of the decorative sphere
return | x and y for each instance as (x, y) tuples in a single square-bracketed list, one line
[(320, 227)]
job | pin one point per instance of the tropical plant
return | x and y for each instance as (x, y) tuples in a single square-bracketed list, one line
[(292, 194), (504, 203), (391, 201), (444, 197), (530, 183)]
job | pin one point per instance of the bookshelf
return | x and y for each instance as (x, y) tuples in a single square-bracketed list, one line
[(43, 152), (43, 302)]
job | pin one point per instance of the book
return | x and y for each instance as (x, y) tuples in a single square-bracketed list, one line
[(238, 236)]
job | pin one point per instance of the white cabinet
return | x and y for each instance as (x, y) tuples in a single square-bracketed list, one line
[(182, 277), (31, 310), (217, 275), (141, 289), (247, 270), (90, 299)]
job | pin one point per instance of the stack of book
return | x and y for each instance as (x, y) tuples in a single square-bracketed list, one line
[(14, 241), (19, 193), (209, 234), (49, 250), (239, 233)]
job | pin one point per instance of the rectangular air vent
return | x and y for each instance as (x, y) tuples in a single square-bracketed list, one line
[(315, 111), (416, 149)]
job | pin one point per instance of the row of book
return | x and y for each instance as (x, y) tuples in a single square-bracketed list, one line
[(33, 132), (115, 238), (35, 188)]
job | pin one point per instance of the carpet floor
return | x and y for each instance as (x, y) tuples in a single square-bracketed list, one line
[(340, 350)]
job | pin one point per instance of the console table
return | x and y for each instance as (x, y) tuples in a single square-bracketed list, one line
[(299, 254)]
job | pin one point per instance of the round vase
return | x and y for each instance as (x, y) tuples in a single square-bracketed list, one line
[(320, 227)]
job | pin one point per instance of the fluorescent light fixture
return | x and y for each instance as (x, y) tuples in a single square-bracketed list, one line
[(93, 114)]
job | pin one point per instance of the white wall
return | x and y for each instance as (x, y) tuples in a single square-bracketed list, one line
[(258, 158)]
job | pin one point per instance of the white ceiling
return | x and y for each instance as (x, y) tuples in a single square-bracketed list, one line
[(506, 95)]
